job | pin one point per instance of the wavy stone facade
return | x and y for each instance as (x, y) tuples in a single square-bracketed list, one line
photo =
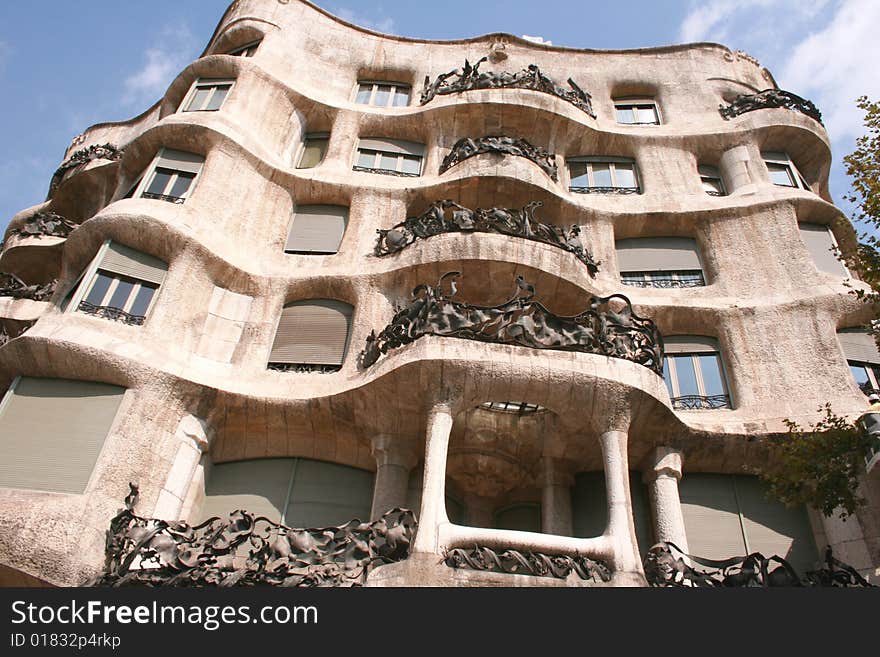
[(506, 439)]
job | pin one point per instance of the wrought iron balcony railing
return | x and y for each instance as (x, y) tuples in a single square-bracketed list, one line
[(109, 312), (303, 368), (12, 286), (468, 147), (386, 172), (767, 99), (164, 197), (527, 563), (668, 279), (605, 190), (698, 402)]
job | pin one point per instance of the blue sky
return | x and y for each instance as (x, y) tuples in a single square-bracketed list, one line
[(67, 65)]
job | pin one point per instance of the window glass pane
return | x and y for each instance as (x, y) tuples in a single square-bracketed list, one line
[(601, 175), (363, 96), (383, 93), (121, 294), (412, 164), (387, 161), (579, 174), (142, 300), (646, 114), (687, 377), (667, 377), (401, 97), (860, 374), (99, 289), (160, 181), (630, 278), (313, 153), (661, 276), (182, 183), (712, 185), (367, 159), (625, 115), (780, 174), (625, 175), (710, 368), (198, 99), (218, 97), (693, 277)]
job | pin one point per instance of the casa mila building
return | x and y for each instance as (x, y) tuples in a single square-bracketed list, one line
[(492, 311)]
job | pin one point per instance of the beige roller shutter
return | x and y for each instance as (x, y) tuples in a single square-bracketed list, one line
[(317, 229), (521, 517), (313, 332), (52, 432), (858, 345), (121, 259), (657, 254), (819, 243), (689, 344), (328, 494), (392, 146), (180, 160), (711, 516), (259, 487), (773, 529)]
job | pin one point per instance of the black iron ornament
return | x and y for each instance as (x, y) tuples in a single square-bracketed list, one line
[(12, 286), (449, 217), (768, 99), (608, 326), (467, 147), (93, 152), (249, 551), (46, 223), (666, 565), (111, 312), (527, 563), (470, 77)]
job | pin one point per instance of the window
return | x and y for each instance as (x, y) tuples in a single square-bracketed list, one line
[(608, 175), (312, 336), (120, 284), (863, 358), (171, 176), (694, 374), (517, 407), (297, 492), (823, 248), (206, 95), (316, 229), (662, 262), (52, 432), (390, 156), (314, 150), (636, 111), (382, 94), (246, 50), (710, 177), (782, 171)]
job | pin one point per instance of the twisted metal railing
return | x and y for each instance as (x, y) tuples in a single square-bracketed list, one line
[(767, 99), (178, 200), (93, 152), (244, 550), (605, 190), (667, 566), (448, 217), (468, 147), (527, 563), (12, 286), (46, 223), (608, 326), (696, 402), (109, 312), (386, 172), (470, 77)]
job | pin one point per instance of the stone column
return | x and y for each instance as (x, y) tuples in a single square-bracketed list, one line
[(557, 481), (662, 479), (395, 458), (621, 528), (192, 444), (433, 509)]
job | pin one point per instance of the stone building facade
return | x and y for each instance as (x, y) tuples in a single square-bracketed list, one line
[(239, 299)]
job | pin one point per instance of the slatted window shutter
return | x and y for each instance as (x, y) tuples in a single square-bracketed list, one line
[(859, 345), (711, 516), (689, 344), (397, 146), (317, 229), (820, 244), (180, 161), (313, 332), (125, 261), (658, 254), (52, 432), (258, 487)]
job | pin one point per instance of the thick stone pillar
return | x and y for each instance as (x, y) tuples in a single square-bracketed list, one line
[(662, 479), (557, 481), (395, 458), (621, 528), (192, 443), (433, 509)]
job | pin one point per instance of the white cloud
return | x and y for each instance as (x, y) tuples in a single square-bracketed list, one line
[(175, 47), (384, 24), (835, 65)]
